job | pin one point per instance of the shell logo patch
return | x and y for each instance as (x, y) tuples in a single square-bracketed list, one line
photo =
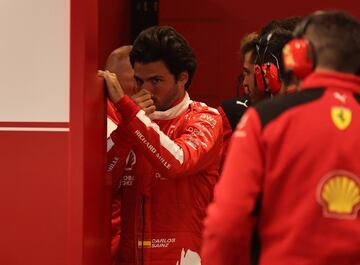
[(341, 117), (339, 195)]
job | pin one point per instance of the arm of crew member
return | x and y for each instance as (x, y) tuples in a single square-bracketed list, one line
[(117, 154)]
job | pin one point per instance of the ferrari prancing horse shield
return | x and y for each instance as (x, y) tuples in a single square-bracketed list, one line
[(341, 117)]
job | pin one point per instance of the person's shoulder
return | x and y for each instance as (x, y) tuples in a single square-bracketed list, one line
[(202, 107), (269, 110), (234, 108), (200, 112), (240, 102)]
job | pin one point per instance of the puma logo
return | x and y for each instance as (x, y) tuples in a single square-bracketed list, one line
[(340, 97), (242, 103)]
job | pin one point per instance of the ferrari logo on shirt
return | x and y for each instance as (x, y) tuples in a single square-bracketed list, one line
[(339, 195), (341, 117)]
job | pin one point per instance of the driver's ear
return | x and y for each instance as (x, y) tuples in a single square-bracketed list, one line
[(183, 78)]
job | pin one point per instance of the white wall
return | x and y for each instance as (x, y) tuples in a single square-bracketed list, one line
[(34, 60)]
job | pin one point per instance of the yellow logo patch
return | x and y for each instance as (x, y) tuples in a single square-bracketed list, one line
[(145, 243), (341, 117), (339, 195)]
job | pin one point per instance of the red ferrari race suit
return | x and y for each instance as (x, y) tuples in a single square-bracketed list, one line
[(292, 177), (113, 120), (166, 181)]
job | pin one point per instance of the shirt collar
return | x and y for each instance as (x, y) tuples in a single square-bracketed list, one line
[(332, 79)]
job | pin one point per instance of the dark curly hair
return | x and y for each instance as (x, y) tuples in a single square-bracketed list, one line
[(165, 44), (288, 23)]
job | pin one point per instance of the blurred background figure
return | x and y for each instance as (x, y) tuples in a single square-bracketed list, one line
[(118, 63), (259, 83)]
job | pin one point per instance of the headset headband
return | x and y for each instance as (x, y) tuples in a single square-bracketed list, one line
[(300, 30)]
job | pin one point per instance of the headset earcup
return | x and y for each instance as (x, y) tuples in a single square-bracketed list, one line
[(259, 79), (298, 58), (268, 73), (271, 73)]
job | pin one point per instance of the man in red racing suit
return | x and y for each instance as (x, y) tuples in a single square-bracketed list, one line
[(164, 167)]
